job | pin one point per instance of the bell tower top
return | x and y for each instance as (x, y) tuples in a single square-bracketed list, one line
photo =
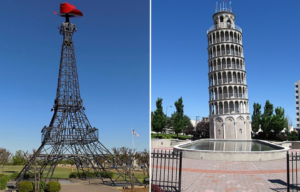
[(223, 16)]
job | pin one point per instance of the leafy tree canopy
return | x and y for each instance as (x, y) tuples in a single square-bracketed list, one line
[(158, 120), (179, 122), (256, 117)]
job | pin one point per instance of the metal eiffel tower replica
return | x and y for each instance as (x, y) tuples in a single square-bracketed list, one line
[(70, 134)]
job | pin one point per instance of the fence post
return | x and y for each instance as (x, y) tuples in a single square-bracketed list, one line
[(180, 170), (288, 171)]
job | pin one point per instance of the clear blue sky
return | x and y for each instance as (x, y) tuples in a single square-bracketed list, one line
[(179, 52), (112, 53)]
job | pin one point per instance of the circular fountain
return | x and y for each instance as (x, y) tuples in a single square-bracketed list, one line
[(232, 150)]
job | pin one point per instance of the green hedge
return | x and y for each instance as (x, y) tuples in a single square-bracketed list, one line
[(72, 175), (91, 175), (14, 175), (53, 186), (3, 181), (170, 136), (25, 186)]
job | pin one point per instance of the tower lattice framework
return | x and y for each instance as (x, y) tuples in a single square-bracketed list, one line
[(70, 134), (228, 92)]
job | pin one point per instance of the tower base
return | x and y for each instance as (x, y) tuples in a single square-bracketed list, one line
[(236, 127)]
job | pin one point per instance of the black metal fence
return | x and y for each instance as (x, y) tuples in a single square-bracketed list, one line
[(292, 167), (166, 170)]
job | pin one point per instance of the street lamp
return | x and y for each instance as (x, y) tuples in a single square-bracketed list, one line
[(167, 113)]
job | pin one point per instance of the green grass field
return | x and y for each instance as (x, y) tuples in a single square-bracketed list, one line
[(62, 172)]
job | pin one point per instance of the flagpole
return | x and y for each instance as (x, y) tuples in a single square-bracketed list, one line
[(132, 139)]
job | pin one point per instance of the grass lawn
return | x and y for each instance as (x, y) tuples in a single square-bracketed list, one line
[(170, 136), (63, 172)]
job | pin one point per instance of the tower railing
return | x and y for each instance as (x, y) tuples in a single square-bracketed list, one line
[(225, 39), (229, 96), (224, 26), (224, 53), (231, 66), (228, 9)]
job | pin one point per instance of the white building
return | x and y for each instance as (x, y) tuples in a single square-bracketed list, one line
[(228, 95), (297, 84)]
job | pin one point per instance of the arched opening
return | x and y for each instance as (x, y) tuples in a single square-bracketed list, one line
[(219, 64), (223, 64), (231, 107), (225, 92), (236, 107), (228, 63), (221, 108), (228, 23), (235, 92), (230, 92)]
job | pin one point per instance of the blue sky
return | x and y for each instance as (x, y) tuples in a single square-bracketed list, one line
[(112, 54), (179, 52)]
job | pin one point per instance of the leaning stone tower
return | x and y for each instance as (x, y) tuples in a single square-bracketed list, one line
[(229, 116)]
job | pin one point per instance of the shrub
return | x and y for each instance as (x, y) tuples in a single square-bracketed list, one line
[(27, 176), (91, 174), (146, 181), (53, 186), (25, 186), (282, 137), (3, 183), (293, 138), (14, 175), (72, 175), (106, 175), (82, 175), (155, 188), (42, 186), (5, 177)]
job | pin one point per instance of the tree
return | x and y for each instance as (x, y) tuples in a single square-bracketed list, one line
[(202, 129), (125, 157), (4, 157), (21, 157), (159, 119), (179, 122), (143, 159), (267, 117), (190, 130), (18, 159), (187, 121), (256, 117), (278, 120), (289, 120)]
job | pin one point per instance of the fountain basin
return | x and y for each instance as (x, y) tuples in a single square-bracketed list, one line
[(232, 150)]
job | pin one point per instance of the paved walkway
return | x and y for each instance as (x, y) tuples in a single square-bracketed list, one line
[(218, 176)]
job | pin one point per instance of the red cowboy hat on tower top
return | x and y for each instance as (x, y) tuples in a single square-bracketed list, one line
[(68, 9)]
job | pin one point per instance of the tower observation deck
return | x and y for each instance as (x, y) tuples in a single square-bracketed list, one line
[(228, 95)]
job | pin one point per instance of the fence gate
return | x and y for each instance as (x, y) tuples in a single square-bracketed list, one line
[(292, 167), (166, 170)]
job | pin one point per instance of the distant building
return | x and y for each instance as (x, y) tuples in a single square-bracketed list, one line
[(297, 84), (195, 122)]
